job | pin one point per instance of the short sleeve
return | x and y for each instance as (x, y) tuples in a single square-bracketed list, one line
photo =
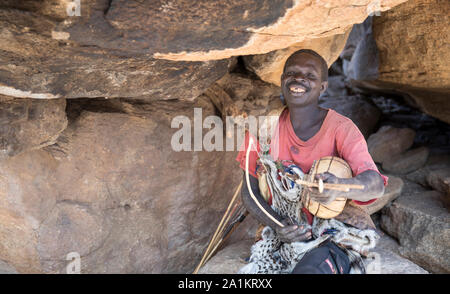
[(253, 156), (352, 147)]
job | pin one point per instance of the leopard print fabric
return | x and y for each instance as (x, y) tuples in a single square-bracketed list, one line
[(271, 256)]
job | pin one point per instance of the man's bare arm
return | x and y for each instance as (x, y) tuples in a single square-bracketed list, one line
[(289, 233), (253, 208), (370, 179)]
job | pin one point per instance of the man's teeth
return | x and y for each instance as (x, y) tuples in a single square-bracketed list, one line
[(297, 89)]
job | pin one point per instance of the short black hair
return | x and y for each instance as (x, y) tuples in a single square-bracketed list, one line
[(323, 63)]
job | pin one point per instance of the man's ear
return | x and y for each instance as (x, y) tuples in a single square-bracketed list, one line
[(324, 87)]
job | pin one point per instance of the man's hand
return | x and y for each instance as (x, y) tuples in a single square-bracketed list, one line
[(327, 196), (293, 233)]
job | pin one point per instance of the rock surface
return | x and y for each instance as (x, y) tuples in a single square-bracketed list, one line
[(388, 142), (151, 49), (421, 224), (434, 162), (251, 96), (412, 53), (439, 179), (390, 262), (27, 124), (6, 268), (113, 190), (35, 65), (407, 162), (207, 30)]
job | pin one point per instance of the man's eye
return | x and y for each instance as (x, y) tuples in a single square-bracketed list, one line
[(290, 73), (311, 76)]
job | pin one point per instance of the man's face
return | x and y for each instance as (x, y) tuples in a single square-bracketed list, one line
[(301, 81)]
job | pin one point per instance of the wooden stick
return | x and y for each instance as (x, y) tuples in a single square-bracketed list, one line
[(223, 239), (227, 219), (337, 187), (219, 228)]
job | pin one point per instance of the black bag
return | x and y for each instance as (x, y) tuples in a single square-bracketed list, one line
[(328, 258)]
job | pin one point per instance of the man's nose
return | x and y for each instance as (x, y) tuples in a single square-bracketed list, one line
[(299, 76)]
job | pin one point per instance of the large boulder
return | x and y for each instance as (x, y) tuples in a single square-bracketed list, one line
[(388, 142), (439, 179), (409, 43), (421, 224), (35, 65), (407, 162), (151, 49), (434, 169), (113, 190), (206, 30)]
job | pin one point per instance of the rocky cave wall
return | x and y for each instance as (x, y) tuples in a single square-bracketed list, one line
[(87, 101)]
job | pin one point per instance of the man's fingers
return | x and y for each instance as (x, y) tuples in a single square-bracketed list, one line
[(302, 237), (327, 178), (288, 229), (292, 236)]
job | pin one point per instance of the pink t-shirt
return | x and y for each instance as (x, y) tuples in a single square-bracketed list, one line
[(338, 136)]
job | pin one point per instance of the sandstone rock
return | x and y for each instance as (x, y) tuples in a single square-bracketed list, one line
[(407, 162), (56, 9), (412, 55), (33, 65), (364, 60), (422, 226), (207, 30), (269, 67), (246, 230), (410, 187), (228, 260), (434, 162), (360, 110), (251, 96), (439, 180), (6, 268), (388, 142), (113, 190), (27, 124), (354, 38), (115, 48), (386, 260), (391, 192)]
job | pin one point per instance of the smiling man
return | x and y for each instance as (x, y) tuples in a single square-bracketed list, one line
[(308, 132)]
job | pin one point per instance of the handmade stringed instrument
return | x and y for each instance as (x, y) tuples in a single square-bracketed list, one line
[(338, 167)]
